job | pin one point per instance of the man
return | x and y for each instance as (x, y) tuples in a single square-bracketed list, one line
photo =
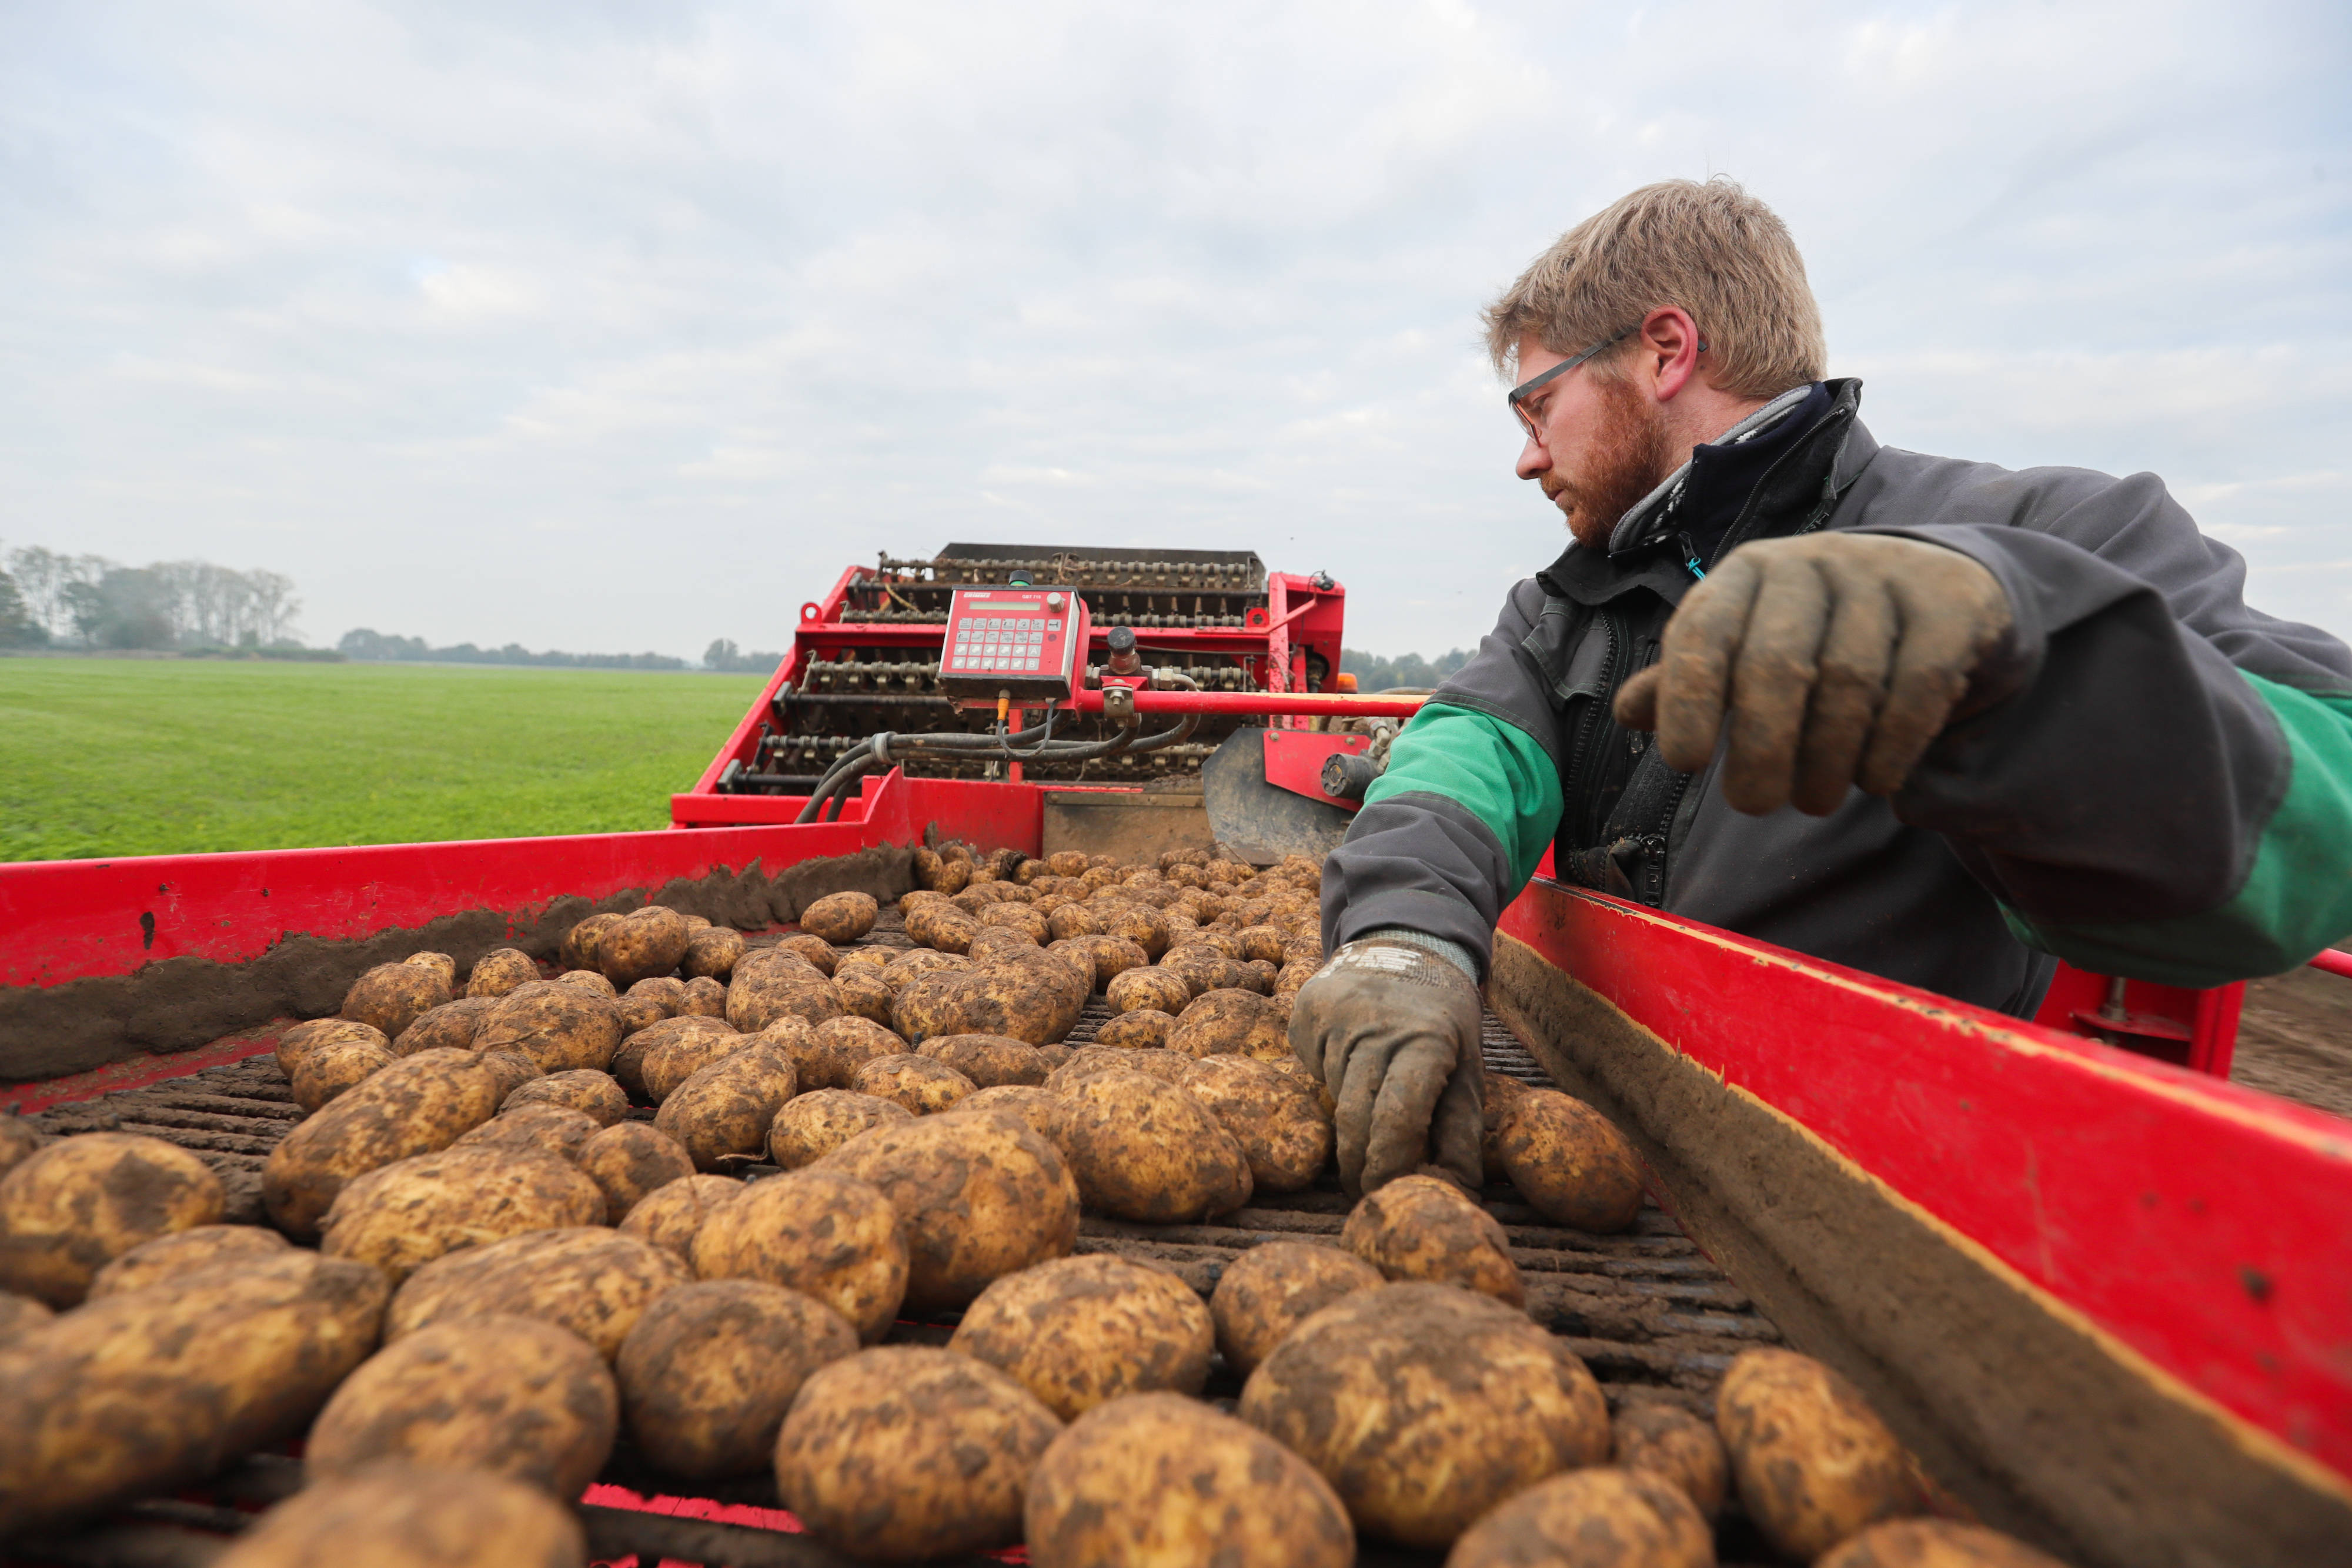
[(1933, 719)]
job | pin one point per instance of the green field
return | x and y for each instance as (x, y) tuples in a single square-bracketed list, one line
[(144, 756)]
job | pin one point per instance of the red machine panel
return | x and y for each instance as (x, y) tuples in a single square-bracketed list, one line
[(1019, 642)]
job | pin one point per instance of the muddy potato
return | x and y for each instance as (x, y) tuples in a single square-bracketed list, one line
[(1231, 1021), (712, 953), (186, 1252), (1145, 1028), (1270, 1113), (1225, 942), (941, 927), (723, 1111), (1425, 1227), (1020, 917), (988, 1061), (993, 942), (390, 1514), (329, 1070), (595, 1094), (1072, 920), (148, 1390), (500, 970), (1598, 1518), (1039, 1109), (821, 955), (1160, 990), (708, 1373), (666, 990), (20, 1315), (703, 998), (1205, 968), (1426, 1404), (1147, 1151), (1079, 1331), (628, 1161), (672, 1055), (1135, 921), (771, 986), (828, 1235), (391, 997), (1108, 956), (1670, 1443), (637, 1013), (1934, 1543), (1030, 996), (1272, 1288), (915, 963), (450, 1026), (980, 1195), (1812, 1461), (1088, 1060), (557, 1130), (559, 1027), (405, 1215), (441, 964), (919, 1083), (833, 1052), (589, 980), (840, 917), (498, 1395), (864, 994), (586, 1280), (1261, 942), (578, 948), (906, 1452), (512, 1070), (1502, 1095), (812, 1125), (298, 1044), (1569, 1162), (929, 1005), (645, 943), (670, 1216), (76, 1206), (1160, 1479)]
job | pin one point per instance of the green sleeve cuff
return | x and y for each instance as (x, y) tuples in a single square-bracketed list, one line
[(2296, 897), (1495, 770)]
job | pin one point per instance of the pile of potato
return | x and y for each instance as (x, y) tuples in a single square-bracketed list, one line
[(486, 1264)]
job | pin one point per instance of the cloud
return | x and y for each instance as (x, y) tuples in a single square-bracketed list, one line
[(621, 323)]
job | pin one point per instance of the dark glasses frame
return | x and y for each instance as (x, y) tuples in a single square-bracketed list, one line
[(1527, 389)]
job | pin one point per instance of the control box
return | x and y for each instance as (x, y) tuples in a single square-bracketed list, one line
[(1029, 643)]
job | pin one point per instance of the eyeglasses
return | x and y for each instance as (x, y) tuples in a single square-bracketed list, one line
[(1527, 389)]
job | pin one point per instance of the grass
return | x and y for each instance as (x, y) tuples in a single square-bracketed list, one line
[(141, 757)]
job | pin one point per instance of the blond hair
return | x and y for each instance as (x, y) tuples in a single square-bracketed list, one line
[(1712, 249)]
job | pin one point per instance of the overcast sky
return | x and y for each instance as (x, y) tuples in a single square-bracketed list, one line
[(614, 325)]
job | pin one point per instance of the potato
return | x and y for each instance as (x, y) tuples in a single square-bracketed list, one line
[(1272, 1288), (835, 1050), (1270, 1113), (1161, 990), (1148, 1152), (1261, 942), (677, 1049), (1502, 1095), (637, 1013), (589, 1280), (980, 1195), (666, 990), (1934, 1543), (329, 1070), (441, 964), (646, 943), (988, 1060), (708, 1373), (1072, 920), (1079, 1331), (1231, 1021), (1088, 1060), (393, 1515), (628, 1064), (1160, 1479), (1030, 996), (512, 1070), (1670, 1443), (1225, 942), (595, 1094), (1426, 1404), (391, 997), (452, 1025), (822, 955), (1599, 1518), (1145, 1028), (1425, 1227), (769, 986), (821, 1232), (148, 1390), (629, 1160), (1205, 968), (670, 1216), (1812, 1461), (1019, 917), (179, 1252), (703, 998), (1133, 922), (840, 917), (812, 1125), (723, 1109), (578, 949), (1109, 956), (82, 1202), (20, 1315), (405, 1215), (558, 1028), (589, 980), (907, 1452), (999, 941), (298, 1044), (921, 1084), (500, 970), (917, 962), (1570, 1165), (941, 927), (712, 953), (864, 994), (1039, 1109), (494, 1395), (557, 1130)]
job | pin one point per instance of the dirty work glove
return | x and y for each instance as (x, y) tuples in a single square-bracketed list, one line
[(1393, 1030), (1836, 658)]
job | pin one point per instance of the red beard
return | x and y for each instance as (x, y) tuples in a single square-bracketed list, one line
[(1628, 460)]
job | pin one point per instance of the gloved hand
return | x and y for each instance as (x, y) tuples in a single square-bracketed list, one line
[(1838, 658), (1393, 1030)]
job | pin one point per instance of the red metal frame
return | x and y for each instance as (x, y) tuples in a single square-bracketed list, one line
[(1294, 759), (2205, 1225), (2193, 1029)]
